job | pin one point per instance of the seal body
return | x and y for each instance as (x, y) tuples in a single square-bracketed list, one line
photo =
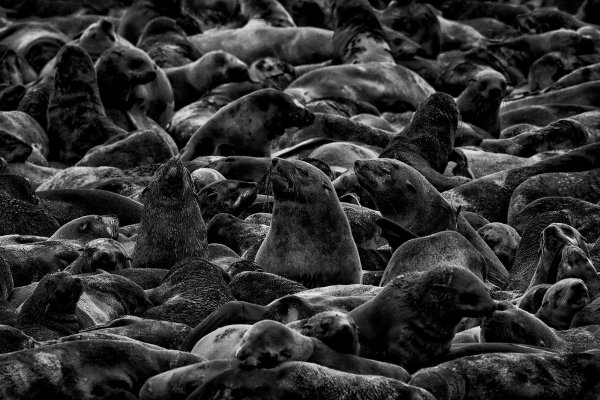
[(309, 240), (265, 114), (479, 103), (170, 206), (76, 118)]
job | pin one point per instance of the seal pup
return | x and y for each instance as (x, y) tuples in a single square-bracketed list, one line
[(427, 144), (267, 113), (171, 228), (309, 239), (479, 103), (76, 118)]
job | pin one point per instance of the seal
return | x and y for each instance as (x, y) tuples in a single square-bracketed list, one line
[(503, 240), (20, 210), (424, 211), (561, 301), (267, 112), (190, 81), (240, 236), (180, 382), (167, 44), (270, 11), (418, 21), (578, 212), (133, 21), (308, 230), (69, 204), (563, 375), (575, 263), (509, 324), (86, 369), (106, 254), (431, 251), (244, 287), (76, 117), (168, 335), (555, 239), (120, 69), (314, 381), (342, 154), (393, 328), (479, 103), (428, 142), (531, 300), (269, 343), (227, 196), (358, 36), (257, 39), (334, 329), (12, 339), (8, 313), (579, 185), (191, 290), (51, 311), (29, 262), (372, 82), (286, 309), (490, 195), (170, 205), (85, 229), (563, 134), (108, 296)]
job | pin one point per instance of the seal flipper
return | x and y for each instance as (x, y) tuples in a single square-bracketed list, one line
[(394, 233), (234, 312)]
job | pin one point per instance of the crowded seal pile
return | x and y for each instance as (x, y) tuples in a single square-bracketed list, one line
[(299, 199)]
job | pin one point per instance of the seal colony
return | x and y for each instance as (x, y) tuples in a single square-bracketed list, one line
[(299, 199)]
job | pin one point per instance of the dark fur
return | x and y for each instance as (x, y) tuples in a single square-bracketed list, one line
[(172, 227)]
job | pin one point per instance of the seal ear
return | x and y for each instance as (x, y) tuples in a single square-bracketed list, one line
[(83, 226)]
